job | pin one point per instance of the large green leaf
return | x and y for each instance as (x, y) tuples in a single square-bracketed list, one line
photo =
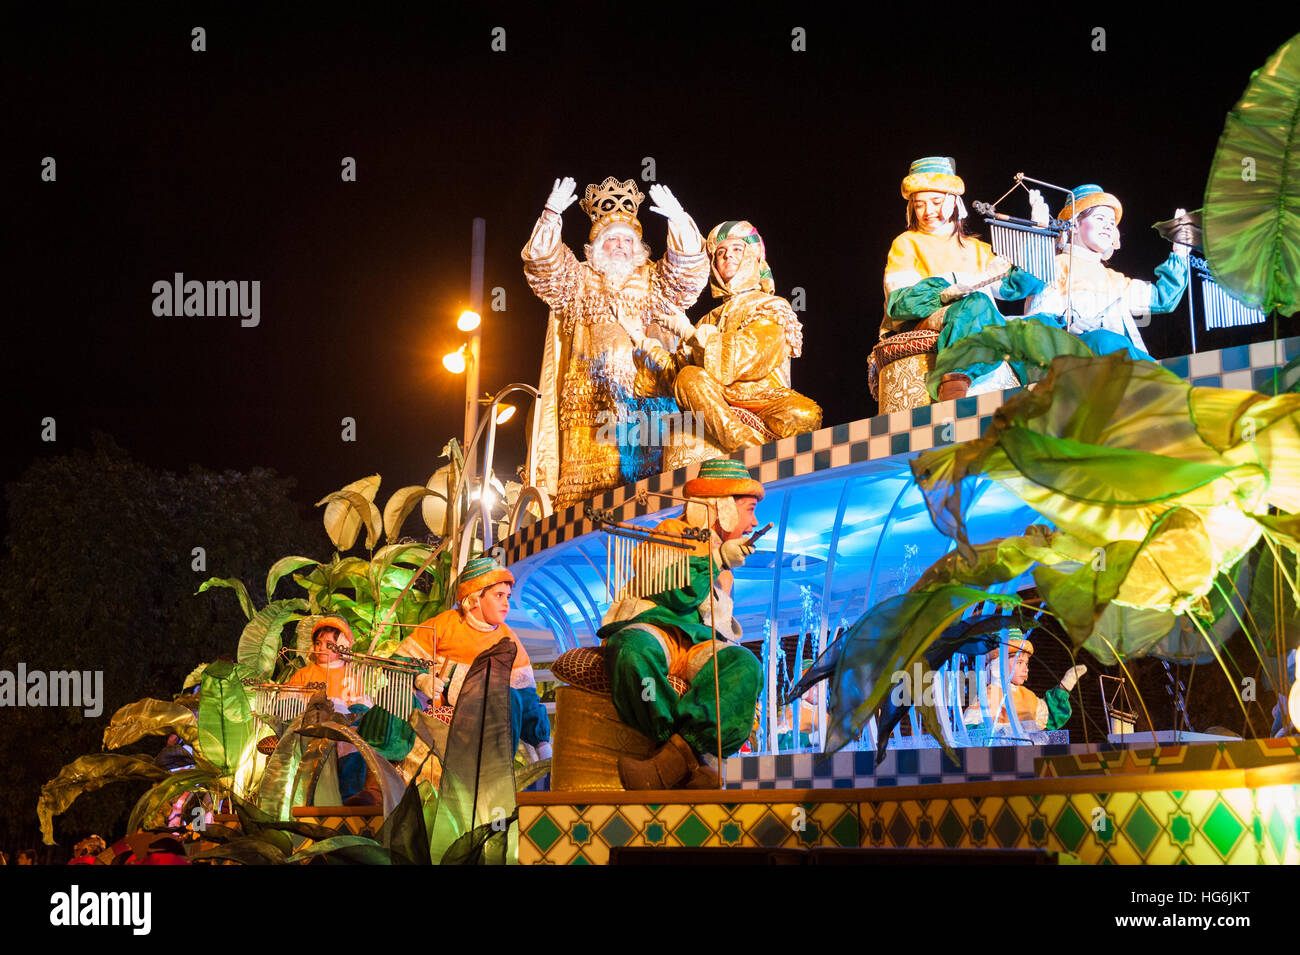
[(400, 506), (260, 643), (235, 584), (150, 718), (478, 785), (227, 730), (285, 565), (1252, 197), (347, 850), (166, 792), (248, 850), (86, 774), (347, 509), (193, 677), (891, 636), (403, 833)]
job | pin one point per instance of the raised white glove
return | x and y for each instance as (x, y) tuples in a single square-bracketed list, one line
[(733, 553), (666, 204), (1071, 677), (1038, 208), (1179, 248), (562, 195)]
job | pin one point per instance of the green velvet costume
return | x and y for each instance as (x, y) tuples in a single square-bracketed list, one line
[(669, 633)]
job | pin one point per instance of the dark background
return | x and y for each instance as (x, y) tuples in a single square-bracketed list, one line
[(226, 165)]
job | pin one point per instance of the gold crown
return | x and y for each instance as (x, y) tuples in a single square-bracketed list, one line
[(612, 201)]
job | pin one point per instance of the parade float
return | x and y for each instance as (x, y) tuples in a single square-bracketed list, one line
[(775, 637)]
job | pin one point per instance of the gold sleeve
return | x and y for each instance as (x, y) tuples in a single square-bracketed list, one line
[(551, 270), (750, 353)]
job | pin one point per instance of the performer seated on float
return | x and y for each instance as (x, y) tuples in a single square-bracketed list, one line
[(683, 631), (455, 638), (736, 367), (1048, 713), (936, 267), (1104, 308), (329, 635)]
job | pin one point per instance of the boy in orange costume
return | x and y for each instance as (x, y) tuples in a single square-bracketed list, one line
[(454, 638)]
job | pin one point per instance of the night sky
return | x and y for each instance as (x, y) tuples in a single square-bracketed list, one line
[(225, 165)]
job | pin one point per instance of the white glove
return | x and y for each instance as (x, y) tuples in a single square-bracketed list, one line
[(733, 553), (1179, 248), (544, 750), (1038, 208), (430, 686), (666, 204), (562, 195), (1071, 677)]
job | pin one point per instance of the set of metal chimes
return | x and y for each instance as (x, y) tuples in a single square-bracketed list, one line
[(281, 701), (1221, 310), (1025, 245), (389, 683), (638, 565)]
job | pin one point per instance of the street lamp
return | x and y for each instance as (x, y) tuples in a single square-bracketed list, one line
[(455, 362)]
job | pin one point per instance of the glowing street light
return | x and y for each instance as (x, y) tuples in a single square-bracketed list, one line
[(468, 321), (454, 362), (505, 413)]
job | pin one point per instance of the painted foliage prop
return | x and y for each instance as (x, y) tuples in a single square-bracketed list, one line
[(1252, 197)]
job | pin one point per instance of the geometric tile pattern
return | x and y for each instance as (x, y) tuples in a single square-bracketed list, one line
[(1201, 827), (1245, 367), (1233, 754)]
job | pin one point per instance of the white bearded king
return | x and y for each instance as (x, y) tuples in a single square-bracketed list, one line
[(600, 393)]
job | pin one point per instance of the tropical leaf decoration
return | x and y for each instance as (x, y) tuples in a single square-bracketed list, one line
[(285, 565), (1252, 196), (86, 774), (345, 850), (403, 833), (477, 787), (246, 850), (194, 677), (149, 717), (399, 508), (227, 730), (161, 796), (348, 509), (263, 636), (235, 584)]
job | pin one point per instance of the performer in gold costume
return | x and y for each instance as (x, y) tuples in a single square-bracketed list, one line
[(594, 381), (735, 372)]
